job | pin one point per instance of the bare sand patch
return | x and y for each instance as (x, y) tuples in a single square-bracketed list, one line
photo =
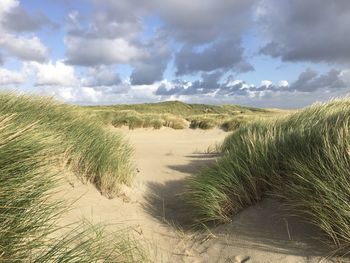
[(153, 208)]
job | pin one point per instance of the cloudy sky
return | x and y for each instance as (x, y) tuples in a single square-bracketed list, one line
[(265, 53)]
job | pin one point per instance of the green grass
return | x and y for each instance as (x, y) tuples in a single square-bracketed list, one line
[(32, 148), (302, 159), (180, 108), (206, 121), (91, 152), (178, 115), (133, 120)]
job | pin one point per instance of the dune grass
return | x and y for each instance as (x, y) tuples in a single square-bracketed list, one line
[(30, 167), (91, 152), (133, 120), (178, 108), (179, 115), (302, 159), (206, 121)]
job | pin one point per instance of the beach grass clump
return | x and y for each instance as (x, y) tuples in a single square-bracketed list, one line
[(93, 153), (302, 159), (133, 120), (86, 242), (104, 116), (28, 213), (157, 123), (129, 118), (202, 122), (152, 121), (25, 155), (233, 124), (174, 122)]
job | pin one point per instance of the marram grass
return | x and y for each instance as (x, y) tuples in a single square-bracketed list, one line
[(34, 140), (179, 115), (93, 153), (133, 120), (303, 159)]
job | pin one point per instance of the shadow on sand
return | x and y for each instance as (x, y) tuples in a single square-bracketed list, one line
[(264, 226)]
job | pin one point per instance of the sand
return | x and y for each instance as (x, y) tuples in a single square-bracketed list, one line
[(154, 210)]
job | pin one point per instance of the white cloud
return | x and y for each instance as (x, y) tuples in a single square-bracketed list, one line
[(283, 84), (25, 48), (82, 95), (345, 75), (121, 94), (6, 6), (265, 83), (100, 51), (28, 49), (54, 74), (101, 76), (8, 77)]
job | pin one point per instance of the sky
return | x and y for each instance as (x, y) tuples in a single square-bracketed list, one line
[(262, 53)]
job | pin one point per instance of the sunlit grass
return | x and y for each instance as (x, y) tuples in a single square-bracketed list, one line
[(28, 213), (178, 115), (302, 159), (93, 153), (133, 120)]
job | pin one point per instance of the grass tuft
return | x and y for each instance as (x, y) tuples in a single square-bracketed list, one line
[(36, 136), (302, 159), (93, 153)]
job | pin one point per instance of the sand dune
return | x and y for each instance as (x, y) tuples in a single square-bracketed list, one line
[(152, 206)]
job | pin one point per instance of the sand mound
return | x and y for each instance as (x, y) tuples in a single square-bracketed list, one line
[(152, 206)]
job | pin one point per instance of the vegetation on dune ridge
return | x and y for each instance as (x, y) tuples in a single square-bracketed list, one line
[(31, 151), (133, 120), (179, 108), (91, 152), (303, 159), (179, 115)]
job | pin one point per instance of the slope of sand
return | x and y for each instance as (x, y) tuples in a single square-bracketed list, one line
[(153, 208)]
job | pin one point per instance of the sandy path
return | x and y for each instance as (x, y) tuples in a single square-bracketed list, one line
[(164, 158)]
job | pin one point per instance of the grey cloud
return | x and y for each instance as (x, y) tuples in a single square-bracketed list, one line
[(178, 89), (230, 88), (102, 76), (309, 81), (208, 83), (19, 20), (151, 68), (227, 54), (307, 30), (120, 11), (146, 73), (103, 37), (192, 23), (101, 51), (203, 21), (103, 23), (28, 49), (272, 49)]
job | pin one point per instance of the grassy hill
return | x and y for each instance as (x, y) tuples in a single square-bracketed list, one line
[(179, 108), (179, 115)]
